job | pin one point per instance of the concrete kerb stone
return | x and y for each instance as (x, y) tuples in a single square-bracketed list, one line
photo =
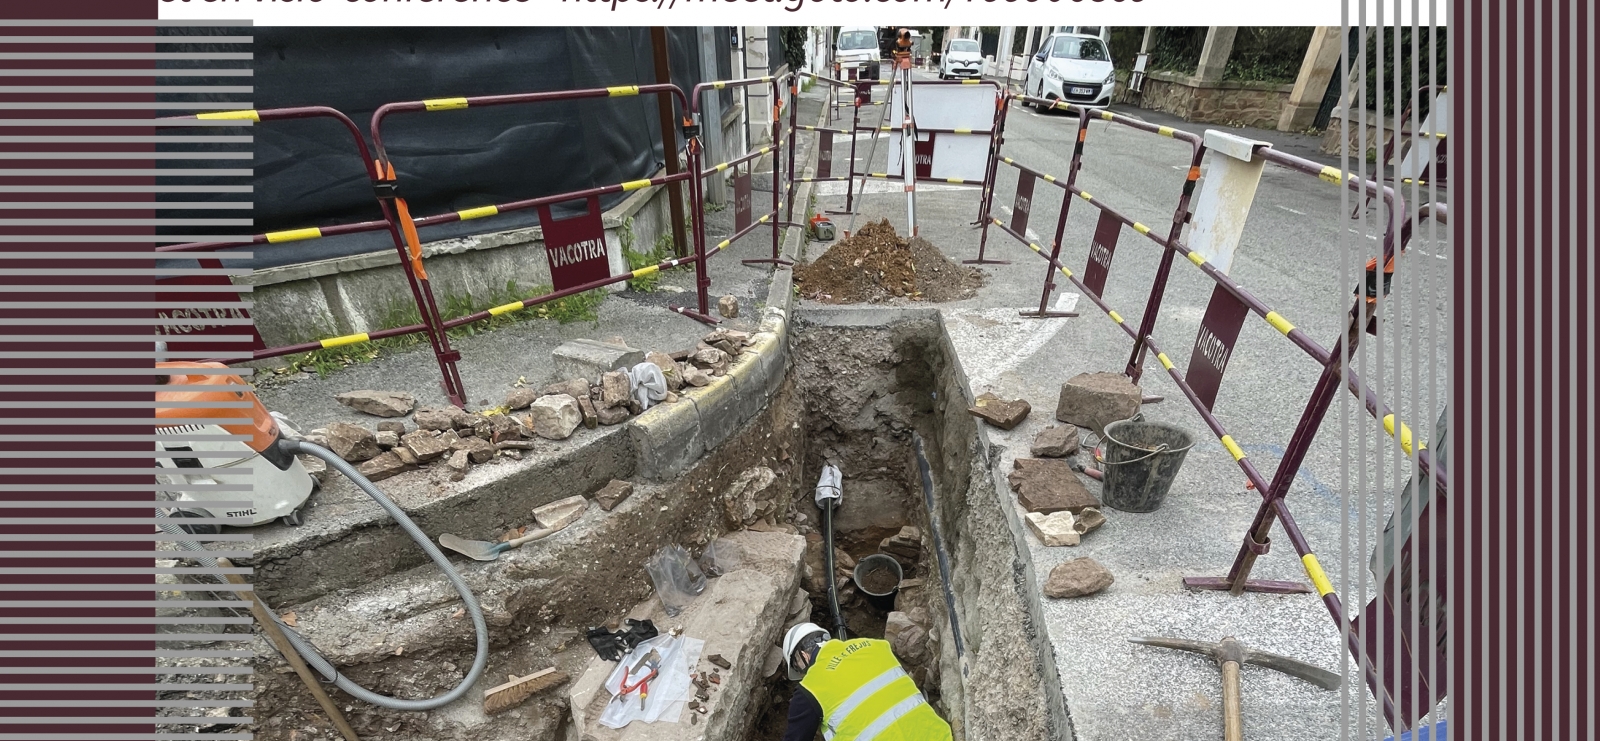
[(668, 438)]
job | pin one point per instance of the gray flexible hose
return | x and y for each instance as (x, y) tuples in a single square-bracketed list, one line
[(309, 652)]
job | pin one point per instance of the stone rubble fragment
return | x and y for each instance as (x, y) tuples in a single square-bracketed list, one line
[(1079, 577), (555, 417), (353, 443), (669, 368), (614, 389), (728, 306), (1088, 519), (591, 416), (1005, 414), (425, 444), (433, 418), (386, 439), (520, 398), (612, 415), (1055, 529), (392, 425), (378, 403), (561, 513), (382, 466), (612, 494), (1055, 441)]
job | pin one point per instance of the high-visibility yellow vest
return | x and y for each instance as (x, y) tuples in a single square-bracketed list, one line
[(866, 696)]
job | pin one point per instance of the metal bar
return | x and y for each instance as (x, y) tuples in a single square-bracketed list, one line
[(794, 138), (1061, 225), (669, 140)]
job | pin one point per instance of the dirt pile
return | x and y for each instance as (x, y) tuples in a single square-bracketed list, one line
[(876, 264)]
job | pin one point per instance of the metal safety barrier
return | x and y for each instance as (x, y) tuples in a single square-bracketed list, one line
[(1230, 304), (402, 226), (416, 276), (744, 221)]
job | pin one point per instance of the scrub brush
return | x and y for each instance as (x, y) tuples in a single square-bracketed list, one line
[(511, 694)]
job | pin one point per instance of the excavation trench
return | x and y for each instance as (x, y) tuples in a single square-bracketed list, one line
[(858, 389)]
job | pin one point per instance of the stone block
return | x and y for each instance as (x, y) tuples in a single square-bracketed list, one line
[(425, 444), (1047, 485), (1079, 577), (1055, 441), (353, 443), (1094, 400), (555, 417), (586, 358)]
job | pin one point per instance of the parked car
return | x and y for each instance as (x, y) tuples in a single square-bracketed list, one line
[(1075, 68), (962, 60), (857, 49)]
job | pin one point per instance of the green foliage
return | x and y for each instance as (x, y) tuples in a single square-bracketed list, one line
[(1268, 53), (793, 41), (661, 252), (1125, 43), (1176, 48)]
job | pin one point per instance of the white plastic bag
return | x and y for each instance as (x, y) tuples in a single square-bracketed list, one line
[(720, 557), (648, 383)]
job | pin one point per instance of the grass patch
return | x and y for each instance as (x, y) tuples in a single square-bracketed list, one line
[(657, 254)]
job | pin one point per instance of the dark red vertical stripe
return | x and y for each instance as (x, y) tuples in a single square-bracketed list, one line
[(53, 687)]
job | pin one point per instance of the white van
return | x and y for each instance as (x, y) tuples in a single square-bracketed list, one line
[(856, 48)]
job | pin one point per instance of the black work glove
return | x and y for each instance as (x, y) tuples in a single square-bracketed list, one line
[(607, 644)]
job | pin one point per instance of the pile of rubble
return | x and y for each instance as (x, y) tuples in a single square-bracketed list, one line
[(460, 439)]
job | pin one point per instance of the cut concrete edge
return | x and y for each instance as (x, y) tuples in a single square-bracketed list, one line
[(1028, 590)]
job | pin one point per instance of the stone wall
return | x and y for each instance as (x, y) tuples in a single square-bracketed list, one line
[(1254, 104)]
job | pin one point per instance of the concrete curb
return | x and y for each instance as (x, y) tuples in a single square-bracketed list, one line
[(669, 438)]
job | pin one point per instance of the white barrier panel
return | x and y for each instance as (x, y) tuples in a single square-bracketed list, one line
[(947, 108)]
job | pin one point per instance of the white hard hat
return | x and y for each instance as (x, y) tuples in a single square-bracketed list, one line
[(792, 639)]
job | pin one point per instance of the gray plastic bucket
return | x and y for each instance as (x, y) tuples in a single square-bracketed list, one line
[(1141, 460)]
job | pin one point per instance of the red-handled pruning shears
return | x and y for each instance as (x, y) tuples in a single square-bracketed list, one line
[(651, 661)]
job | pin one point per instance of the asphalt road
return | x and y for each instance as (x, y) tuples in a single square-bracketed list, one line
[(1303, 255)]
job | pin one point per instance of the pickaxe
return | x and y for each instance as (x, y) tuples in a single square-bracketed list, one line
[(1229, 654)]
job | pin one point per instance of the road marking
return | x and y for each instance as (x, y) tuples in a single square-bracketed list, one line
[(1290, 210), (1003, 328), (1368, 236)]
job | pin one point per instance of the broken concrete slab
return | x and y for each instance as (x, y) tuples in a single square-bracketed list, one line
[(613, 493), (1005, 414), (586, 358), (1047, 485), (561, 513), (1094, 400), (1055, 441), (739, 616), (555, 417), (353, 443), (378, 403), (1079, 577), (1055, 529)]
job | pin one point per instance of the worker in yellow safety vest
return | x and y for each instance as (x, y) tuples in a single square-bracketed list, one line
[(854, 690)]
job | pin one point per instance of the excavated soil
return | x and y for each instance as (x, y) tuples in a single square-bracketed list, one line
[(876, 265)]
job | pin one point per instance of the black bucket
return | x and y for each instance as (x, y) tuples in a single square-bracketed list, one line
[(1141, 460), (867, 570)]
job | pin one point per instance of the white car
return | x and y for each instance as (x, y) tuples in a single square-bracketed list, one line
[(962, 60), (857, 49), (1075, 68)]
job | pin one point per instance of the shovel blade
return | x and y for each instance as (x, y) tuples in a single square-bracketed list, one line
[(481, 550)]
